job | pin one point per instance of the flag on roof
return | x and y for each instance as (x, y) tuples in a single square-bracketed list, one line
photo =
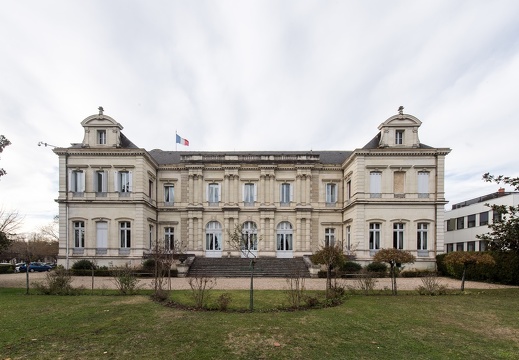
[(182, 141)]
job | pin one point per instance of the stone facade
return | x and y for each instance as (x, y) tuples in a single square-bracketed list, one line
[(118, 201)]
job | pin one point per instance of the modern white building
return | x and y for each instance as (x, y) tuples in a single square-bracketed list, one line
[(117, 201), (469, 218)]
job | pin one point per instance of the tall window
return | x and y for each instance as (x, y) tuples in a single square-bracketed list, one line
[(348, 238), (150, 236), (329, 237), (213, 236), (249, 193), (399, 137), (483, 218), (169, 194), (284, 236), (471, 221), (423, 184), (348, 189), (374, 236), (451, 224), (101, 137), (123, 181), (125, 234), (150, 188), (250, 236), (79, 234), (169, 238), (331, 193), (213, 193), (450, 248), (375, 184), (101, 236), (421, 236), (460, 223), (398, 236), (100, 181), (77, 181), (286, 193), (496, 216)]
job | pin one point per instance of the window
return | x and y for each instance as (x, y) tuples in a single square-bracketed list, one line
[(169, 239), (451, 223), (79, 234), (77, 181), (101, 137), (286, 193), (102, 237), (249, 232), (459, 246), (125, 234), (450, 248), (249, 193), (483, 218), (471, 246), (348, 238), (399, 137), (398, 236), (423, 184), (151, 236), (375, 184), (483, 245), (471, 221), (284, 236), (331, 193), (421, 236), (374, 236), (213, 236), (496, 216), (169, 194), (213, 193), (100, 182), (460, 223), (150, 188), (348, 189), (329, 237), (123, 181)]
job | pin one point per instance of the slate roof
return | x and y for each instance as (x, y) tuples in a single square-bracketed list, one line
[(373, 144)]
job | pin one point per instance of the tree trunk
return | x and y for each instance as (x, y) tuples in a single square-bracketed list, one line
[(463, 278)]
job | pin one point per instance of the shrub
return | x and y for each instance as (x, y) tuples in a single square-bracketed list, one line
[(417, 273), (364, 283), (148, 265), (58, 282), (6, 268), (295, 290), (223, 301), (351, 267), (83, 264), (125, 280), (377, 267), (200, 289), (431, 286)]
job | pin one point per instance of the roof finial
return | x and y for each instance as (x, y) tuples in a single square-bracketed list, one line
[(100, 110), (401, 110)]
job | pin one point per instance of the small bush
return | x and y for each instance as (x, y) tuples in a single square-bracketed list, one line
[(125, 280), (351, 267), (6, 268), (295, 290), (364, 283), (311, 301), (148, 265), (58, 282), (83, 264), (200, 289), (431, 286), (377, 267), (223, 301)]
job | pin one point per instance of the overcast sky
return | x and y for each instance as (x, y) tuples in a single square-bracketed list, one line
[(257, 75)]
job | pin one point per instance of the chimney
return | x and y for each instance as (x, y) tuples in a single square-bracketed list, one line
[(501, 192)]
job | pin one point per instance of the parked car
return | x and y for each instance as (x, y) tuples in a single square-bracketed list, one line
[(34, 266), (17, 267)]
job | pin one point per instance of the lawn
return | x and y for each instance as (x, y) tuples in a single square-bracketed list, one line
[(478, 324)]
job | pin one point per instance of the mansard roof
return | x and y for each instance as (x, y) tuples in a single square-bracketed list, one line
[(265, 157)]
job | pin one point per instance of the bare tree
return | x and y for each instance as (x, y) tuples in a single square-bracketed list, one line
[(10, 221), (3, 143)]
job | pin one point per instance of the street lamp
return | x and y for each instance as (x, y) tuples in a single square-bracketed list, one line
[(40, 143)]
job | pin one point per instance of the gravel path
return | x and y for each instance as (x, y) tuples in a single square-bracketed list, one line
[(19, 281)]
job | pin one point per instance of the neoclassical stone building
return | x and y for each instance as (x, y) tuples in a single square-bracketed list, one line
[(116, 200)]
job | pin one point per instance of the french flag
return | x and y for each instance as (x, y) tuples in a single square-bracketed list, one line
[(182, 141)]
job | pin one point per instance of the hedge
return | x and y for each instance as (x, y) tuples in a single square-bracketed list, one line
[(6, 268), (506, 270)]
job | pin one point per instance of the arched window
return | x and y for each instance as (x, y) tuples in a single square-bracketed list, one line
[(250, 236)]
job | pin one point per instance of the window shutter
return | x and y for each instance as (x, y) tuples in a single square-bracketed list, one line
[(105, 180), (244, 191), (82, 176), (117, 188), (96, 181), (130, 180), (255, 192), (70, 180), (219, 192), (291, 187)]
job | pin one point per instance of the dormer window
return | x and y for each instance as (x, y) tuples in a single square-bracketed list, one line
[(101, 137), (399, 137)]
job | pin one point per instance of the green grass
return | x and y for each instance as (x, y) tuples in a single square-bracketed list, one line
[(481, 324)]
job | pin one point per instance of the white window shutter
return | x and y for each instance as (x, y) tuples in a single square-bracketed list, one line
[(82, 181), (70, 180), (244, 191), (130, 180), (207, 192), (255, 192), (116, 182), (219, 192), (291, 192), (105, 181)]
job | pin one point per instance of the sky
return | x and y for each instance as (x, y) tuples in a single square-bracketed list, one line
[(256, 75)]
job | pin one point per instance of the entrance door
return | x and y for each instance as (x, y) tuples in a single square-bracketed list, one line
[(213, 239), (249, 248)]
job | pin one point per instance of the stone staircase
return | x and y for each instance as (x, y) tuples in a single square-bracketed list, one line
[(239, 267)]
